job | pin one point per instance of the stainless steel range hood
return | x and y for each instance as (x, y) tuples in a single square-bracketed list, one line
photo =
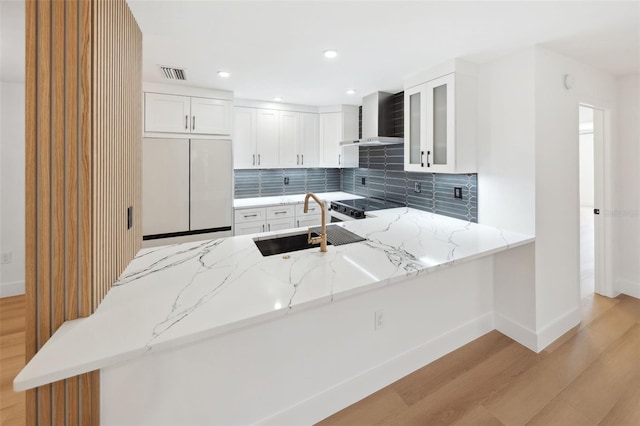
[(377, 122)]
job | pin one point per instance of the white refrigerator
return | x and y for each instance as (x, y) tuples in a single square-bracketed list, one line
[(187, 187)]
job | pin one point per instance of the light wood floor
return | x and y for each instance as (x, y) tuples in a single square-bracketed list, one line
[(12, 404), (589, 376)]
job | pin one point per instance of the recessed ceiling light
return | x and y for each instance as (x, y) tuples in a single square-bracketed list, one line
[(330, 53), (277, 99), (224, 74), (351, 92)]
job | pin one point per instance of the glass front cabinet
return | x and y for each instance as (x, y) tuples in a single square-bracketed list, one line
[(437, 135)]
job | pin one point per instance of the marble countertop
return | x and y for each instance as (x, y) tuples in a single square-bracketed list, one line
[(290, 199), (174, 295)]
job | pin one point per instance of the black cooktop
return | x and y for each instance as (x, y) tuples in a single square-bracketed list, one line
[(369, 204)]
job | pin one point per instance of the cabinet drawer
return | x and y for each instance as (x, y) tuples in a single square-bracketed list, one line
[(280, 212), (314, 209), (249, 228), (250, 215)]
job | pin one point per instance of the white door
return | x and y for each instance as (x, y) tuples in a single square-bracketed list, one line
[(249, 228), (441, 125), (211, 184), (309, 142), (415, 136), (165, 186), (211, 116), (167, 113), (330, 136), (280, 224), (244, 138), (288, 141), (308, 221), (267, 138)]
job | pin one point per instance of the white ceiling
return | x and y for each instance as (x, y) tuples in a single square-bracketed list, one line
[(275, 48)]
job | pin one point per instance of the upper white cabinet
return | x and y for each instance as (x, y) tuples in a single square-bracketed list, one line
[(336, 127), (267, 138), (165, 113), (439, 119)]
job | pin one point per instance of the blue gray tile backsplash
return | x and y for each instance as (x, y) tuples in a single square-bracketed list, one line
[(270, 182), (382, 168)]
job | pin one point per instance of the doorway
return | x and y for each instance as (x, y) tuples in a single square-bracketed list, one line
[(591, 160)]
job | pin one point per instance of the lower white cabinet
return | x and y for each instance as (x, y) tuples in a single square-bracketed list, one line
[(253, 220)]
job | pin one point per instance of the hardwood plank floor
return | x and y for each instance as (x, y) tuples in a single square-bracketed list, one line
[(589, 376), (12, 359)]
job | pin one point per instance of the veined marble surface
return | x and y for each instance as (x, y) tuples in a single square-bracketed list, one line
[(173, 295), (290, 199)]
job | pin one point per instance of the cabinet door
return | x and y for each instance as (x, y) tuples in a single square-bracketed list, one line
[(166, 113), (415, 136), (211, 116), (244, 138), (211, 191), (249, 228), (330, 136), (280, 224), (309, 142), (267, 138), (165, 186), (288, 141), (441, 124), (308, 221)]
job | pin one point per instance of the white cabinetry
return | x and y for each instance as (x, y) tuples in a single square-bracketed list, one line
[(253, 220), (440, 124), (267, 138), (336, 127), (166, 113)]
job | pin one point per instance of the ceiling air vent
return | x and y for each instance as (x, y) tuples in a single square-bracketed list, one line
[(173, 73)]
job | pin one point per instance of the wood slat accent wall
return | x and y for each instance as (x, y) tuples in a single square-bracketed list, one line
[(83, 156)]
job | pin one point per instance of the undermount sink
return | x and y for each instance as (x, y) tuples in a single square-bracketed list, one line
[(336, 235)]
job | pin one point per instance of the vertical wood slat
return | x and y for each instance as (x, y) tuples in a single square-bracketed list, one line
[(31, 236), (79, 154)]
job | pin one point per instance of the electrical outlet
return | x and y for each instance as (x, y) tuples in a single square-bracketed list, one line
[(417, 187), (457, 192), (286, 180), (6, 258), (379, 320)]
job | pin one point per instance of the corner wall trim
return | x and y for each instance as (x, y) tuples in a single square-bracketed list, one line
[(628, 287), (557, 328), (516, 331), (358, 387), (15, 288)]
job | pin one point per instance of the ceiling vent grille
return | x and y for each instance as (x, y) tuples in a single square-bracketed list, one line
[(173, 73)]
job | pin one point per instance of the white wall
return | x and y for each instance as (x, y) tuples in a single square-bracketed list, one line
[(12, 187), (506, 143), (557, 179), (586, 169), (625, 211)]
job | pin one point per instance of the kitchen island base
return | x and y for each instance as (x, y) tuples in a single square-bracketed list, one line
[(305, 366)]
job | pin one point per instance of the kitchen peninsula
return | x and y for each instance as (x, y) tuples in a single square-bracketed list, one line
[(213, 332)]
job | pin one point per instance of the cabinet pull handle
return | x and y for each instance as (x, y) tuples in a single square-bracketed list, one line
[(282, 212), (298, 224), (302, 159), (258, 159), (298, 159), (254, 159), (339, 159), (421, 158), (193, 122), (263, 227), (186, 122), (250, 215), (428, 164), (269, 227)]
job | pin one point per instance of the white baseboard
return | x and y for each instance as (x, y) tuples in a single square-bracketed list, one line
[(15, 288), (628, 287), (358, 387), (557, 328), (516, 331)]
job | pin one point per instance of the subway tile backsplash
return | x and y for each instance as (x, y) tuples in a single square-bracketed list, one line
[(270, 182), (382, 168)]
